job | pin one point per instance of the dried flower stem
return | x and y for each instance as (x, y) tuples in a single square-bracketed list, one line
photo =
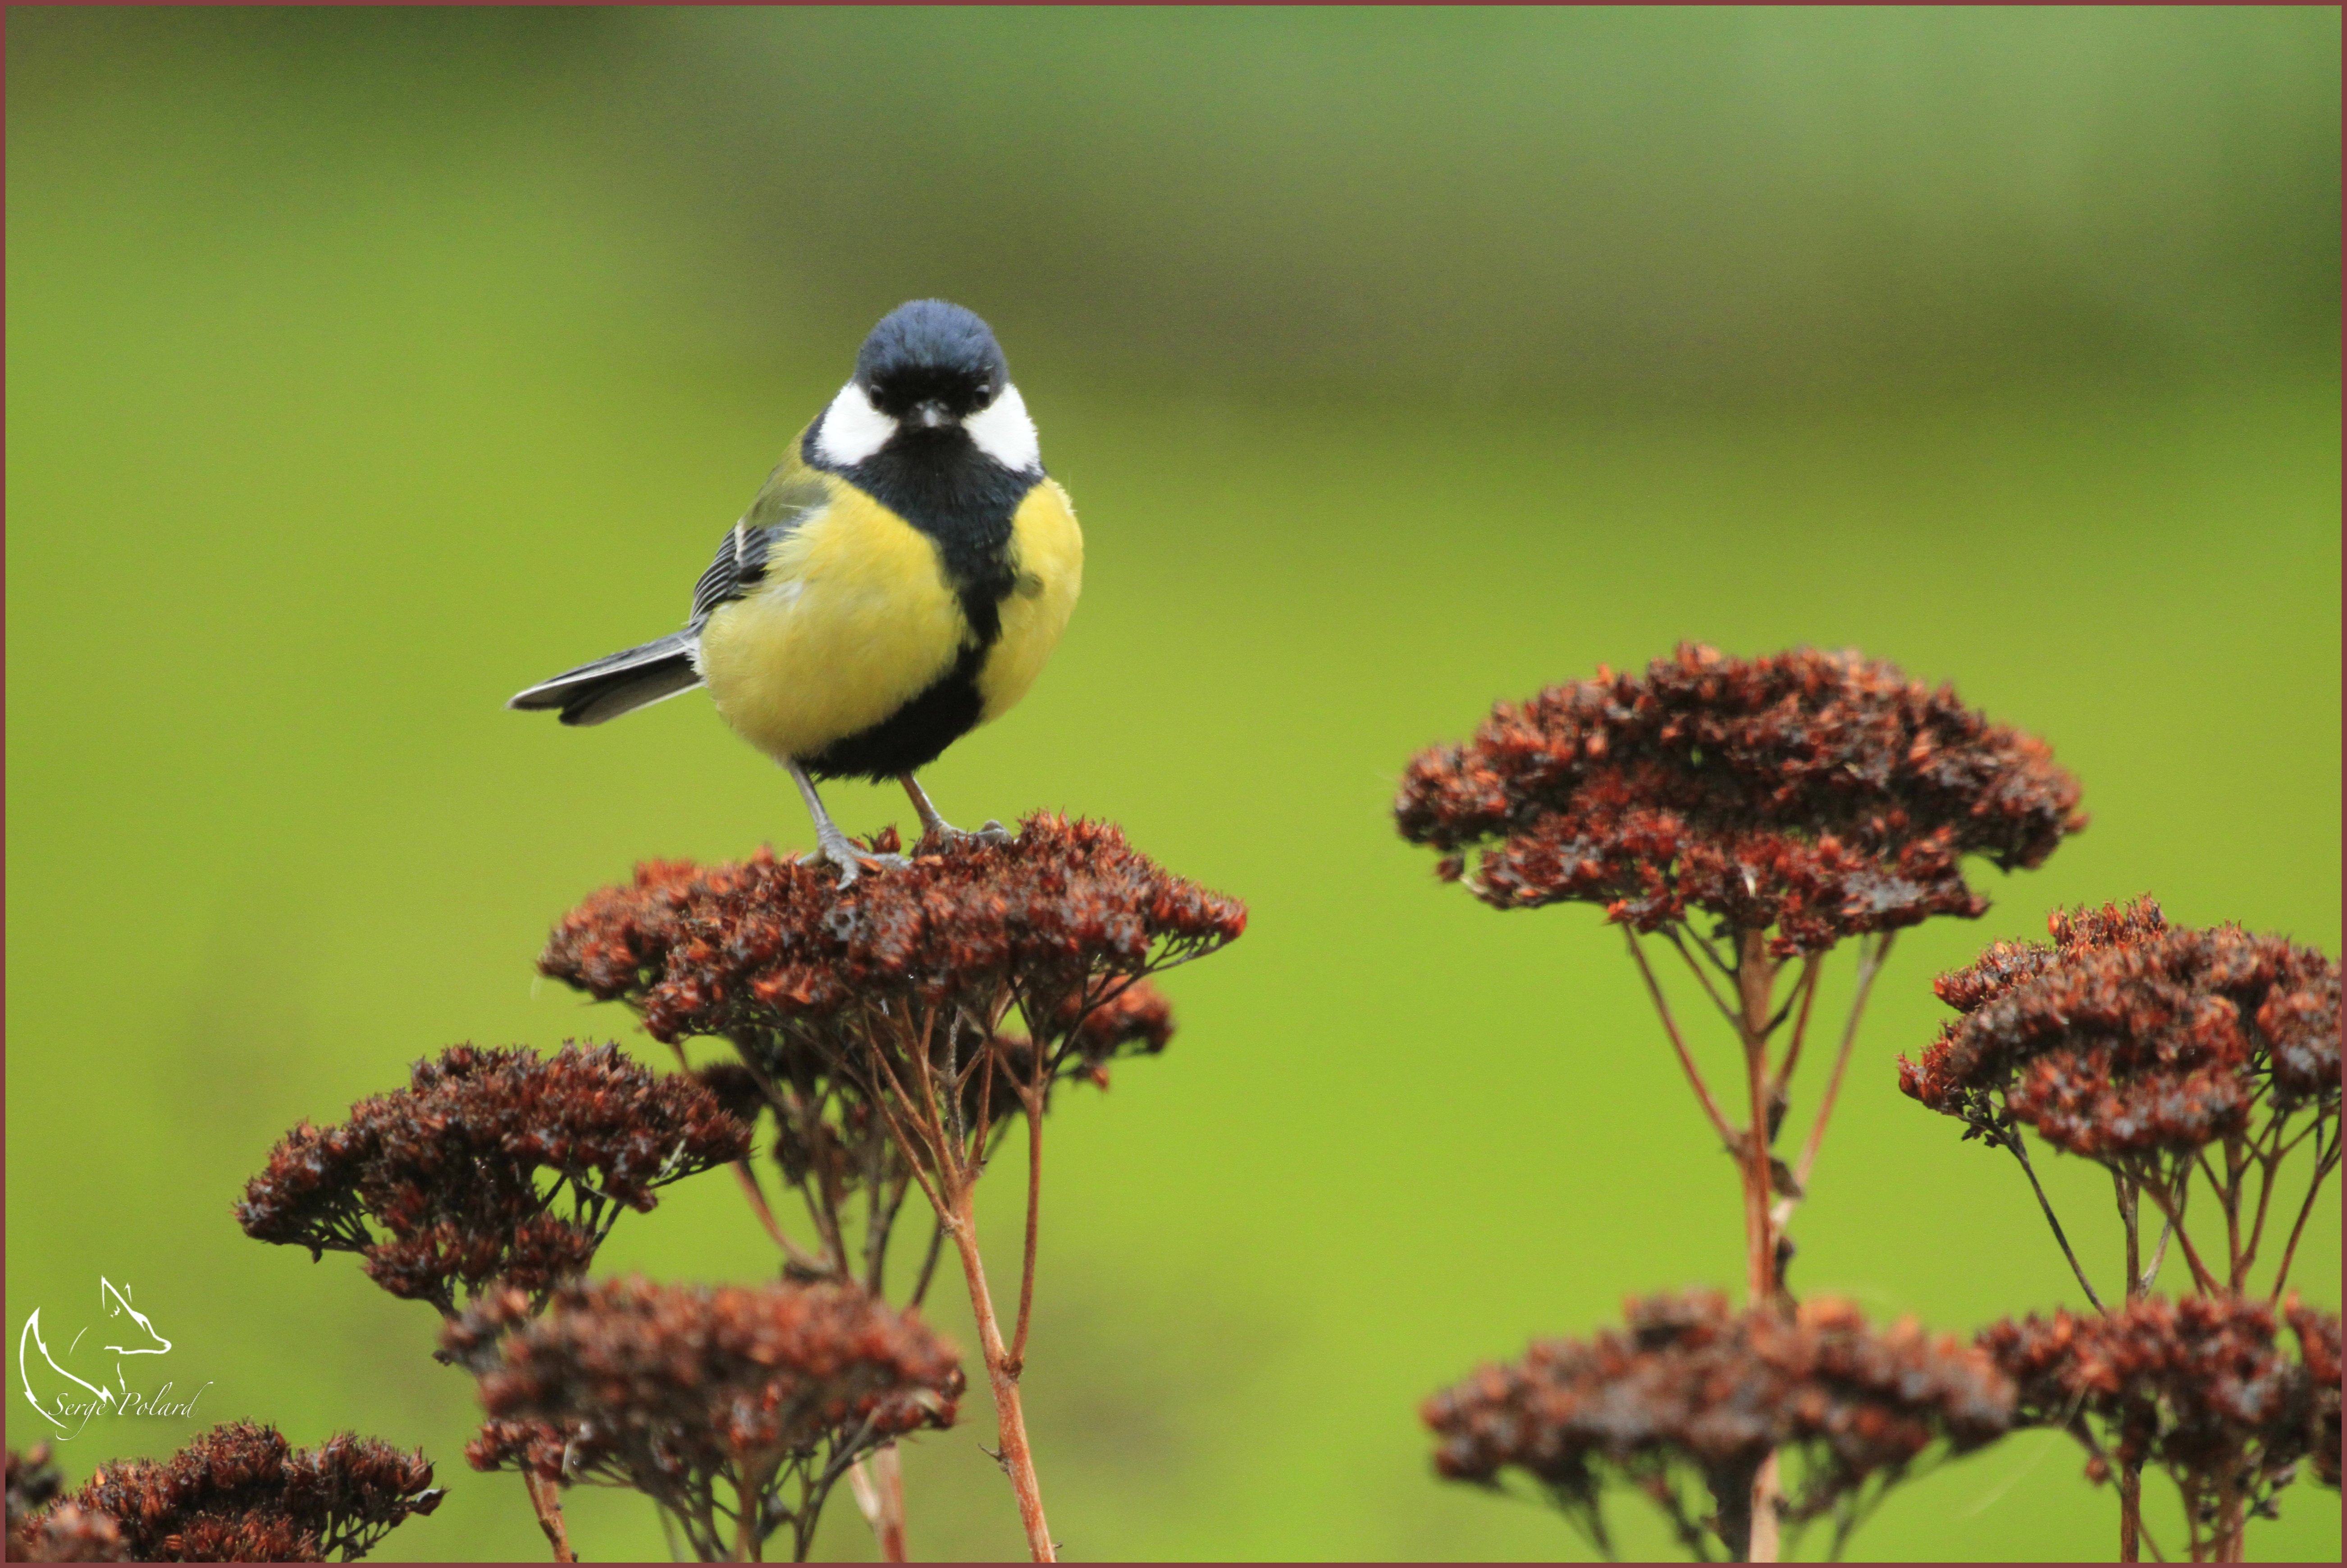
[(547, 1506), (2172, 1206), (1034, 1208), (1870, 964), (946, 1166), (1754, 977), (2011, 1139), (1670, 1027), (2129, 1476), (879, 1490), (2324, 1163), (1755, 974), (1671, 935), (1017, 1460), (1806, 988)]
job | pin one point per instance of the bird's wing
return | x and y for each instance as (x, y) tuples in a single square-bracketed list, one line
[(637, 677), (791, 497)]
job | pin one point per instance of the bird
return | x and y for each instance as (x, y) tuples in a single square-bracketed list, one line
[(900, 579)]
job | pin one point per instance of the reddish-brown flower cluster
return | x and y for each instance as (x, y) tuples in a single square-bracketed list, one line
[(2318, 1352), (1819, 794), (2197, 1386), (1695, 1387), (2128, 1036), (237, 1495), (40, 1532), (671, 1389), (450, 1167), (718, 950), (1135, 1020)]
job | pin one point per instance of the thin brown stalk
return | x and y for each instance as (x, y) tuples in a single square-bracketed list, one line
[(1017, 1462), (934, 1147), (1034, 1208), (2174, 1211), (2130, 1477), (912, 1158), (784, 1108), (1806, 987), (919, 1051), (757, 1196), (2012, 1140), (1670, 1027), (928, 1266), (548, 1505), (879, 1488), (1752, 977), (746, 1508), (2323, 1165), (1755, 977), (1671, 935), (2229, 1198), (1869, 966)]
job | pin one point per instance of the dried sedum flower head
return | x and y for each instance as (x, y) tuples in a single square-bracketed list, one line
[(673, 1389), (33, 1482), (1819, 794), (1696, 1389), (40, 1532), (450, 1168), (2126, 1036), (67, 1534), (2197, 1386), (766, 943), (239, 1493), (2318, 1351)]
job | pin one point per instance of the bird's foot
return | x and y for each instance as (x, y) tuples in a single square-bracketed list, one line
[(835, 847), (947, 835)]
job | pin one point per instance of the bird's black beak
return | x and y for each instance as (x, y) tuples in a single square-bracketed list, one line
[(931, 414)]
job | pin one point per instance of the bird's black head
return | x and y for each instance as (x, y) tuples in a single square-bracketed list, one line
[(929, 364)]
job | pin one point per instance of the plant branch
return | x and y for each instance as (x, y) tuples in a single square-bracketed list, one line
[(1034, 1209), (757, 1196), (1806, 988), (1017, 1462), (545, 1503), (879, 1488), (1869, 966), (1671, 935), (2171, 1206), (2324, 1163), (1670, 1027), (1755, 977), (2011, 1139), (928, 1265), (2130, 1477)]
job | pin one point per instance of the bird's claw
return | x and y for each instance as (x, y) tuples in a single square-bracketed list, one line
[(947, 835), (851, 860)]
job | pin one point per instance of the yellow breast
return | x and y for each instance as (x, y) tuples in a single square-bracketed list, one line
[(852, 621), (1047, 560)]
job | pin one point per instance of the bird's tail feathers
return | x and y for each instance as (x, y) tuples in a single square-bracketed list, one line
[(618, 683)]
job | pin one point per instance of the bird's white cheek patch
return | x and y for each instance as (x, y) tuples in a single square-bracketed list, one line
[(851, 429), (1004, 433)]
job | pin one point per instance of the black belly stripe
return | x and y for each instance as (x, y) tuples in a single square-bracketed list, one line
[(915, 735), (966, 503)]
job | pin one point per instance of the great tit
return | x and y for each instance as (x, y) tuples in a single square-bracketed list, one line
[(899, 580)]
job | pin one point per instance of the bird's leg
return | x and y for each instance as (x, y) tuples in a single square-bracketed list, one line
[(943, 832), (833, 845)]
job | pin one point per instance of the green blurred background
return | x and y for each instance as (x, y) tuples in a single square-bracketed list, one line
[(365, 366)]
